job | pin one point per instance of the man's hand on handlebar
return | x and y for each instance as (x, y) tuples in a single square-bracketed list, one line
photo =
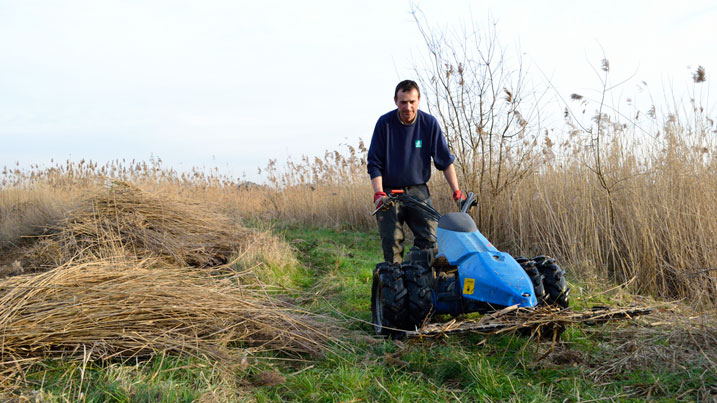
[(465, 202), (380, 200), (459, 198)]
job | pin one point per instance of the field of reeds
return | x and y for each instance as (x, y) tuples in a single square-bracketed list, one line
[(127, 261), (647, 218), (185, 271)]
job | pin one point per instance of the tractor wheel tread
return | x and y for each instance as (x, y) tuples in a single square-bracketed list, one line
[(388, 300), (535, 276), (556, 287), (419, 281)]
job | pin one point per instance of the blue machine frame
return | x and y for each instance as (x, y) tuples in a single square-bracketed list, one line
[(485, 274)]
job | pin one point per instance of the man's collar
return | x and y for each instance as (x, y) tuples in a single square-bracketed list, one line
[(398, 114)]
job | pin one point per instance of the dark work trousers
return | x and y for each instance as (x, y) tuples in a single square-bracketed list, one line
[(390, 225)]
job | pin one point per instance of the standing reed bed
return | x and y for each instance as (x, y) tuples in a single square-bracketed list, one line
[(332, 191), (655, 227), (649, 217), (644, 215), (79, 175), (34, 198)]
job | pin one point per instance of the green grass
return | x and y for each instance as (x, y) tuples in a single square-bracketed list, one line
[(161, 379), (334, 277), (337, 268)]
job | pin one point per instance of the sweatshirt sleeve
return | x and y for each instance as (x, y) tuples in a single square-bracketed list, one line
[(377, 151), (442, 157)]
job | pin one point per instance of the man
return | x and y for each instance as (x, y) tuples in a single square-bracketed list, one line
[(403, 144)]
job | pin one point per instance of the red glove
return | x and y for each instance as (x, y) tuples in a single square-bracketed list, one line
[(459, 198), (379, 198)]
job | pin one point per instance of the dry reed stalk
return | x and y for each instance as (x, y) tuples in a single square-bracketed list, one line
[(537, 320), (125, 307), (671, 339)]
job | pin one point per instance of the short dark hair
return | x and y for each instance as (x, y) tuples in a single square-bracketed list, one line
[(406, 86)]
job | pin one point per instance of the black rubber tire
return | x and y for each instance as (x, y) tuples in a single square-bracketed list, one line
[(419, 283), (556, 287), (388, 300), (420, 257), (535, 276)]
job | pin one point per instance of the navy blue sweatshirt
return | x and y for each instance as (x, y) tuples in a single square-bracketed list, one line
[(402, 154)]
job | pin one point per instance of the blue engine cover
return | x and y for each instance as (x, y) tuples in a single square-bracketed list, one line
[(485, 273)]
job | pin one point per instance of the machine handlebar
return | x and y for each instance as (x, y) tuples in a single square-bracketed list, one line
[(398, 196)]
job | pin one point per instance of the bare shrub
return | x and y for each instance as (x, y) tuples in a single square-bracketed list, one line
[(477, 89)]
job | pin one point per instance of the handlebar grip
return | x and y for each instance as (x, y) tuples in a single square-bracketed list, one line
[(469, 202)]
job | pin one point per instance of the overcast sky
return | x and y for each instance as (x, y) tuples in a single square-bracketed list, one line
[(230, 84)]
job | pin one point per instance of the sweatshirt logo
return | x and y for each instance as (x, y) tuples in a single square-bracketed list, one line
[(419, 143)]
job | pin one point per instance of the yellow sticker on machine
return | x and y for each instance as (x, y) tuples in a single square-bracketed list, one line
[(468, 286)]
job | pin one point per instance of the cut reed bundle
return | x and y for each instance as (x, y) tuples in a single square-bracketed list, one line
[(125, 218), (124, 307), (131, 273)]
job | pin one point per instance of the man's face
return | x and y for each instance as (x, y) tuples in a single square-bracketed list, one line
[(407, 103)]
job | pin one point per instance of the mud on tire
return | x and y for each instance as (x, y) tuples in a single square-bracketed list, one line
[(388, 300)]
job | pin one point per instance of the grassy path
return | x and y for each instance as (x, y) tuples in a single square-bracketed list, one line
[(587, 365)]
